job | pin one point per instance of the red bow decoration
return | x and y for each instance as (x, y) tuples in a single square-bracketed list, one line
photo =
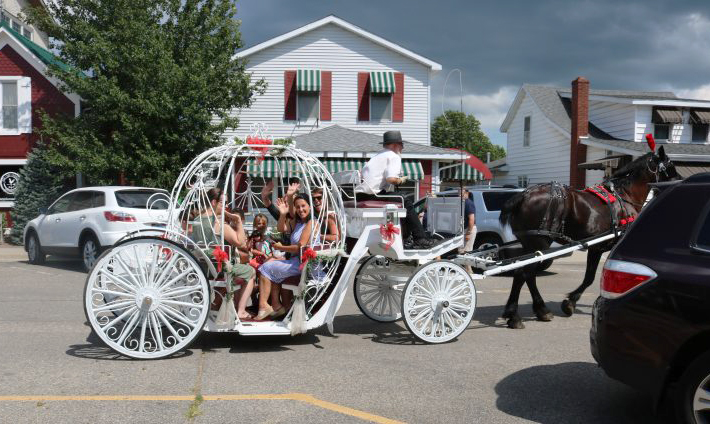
[(387, 232), (220, 256), (651, 142), (308, 254), (262, 150)]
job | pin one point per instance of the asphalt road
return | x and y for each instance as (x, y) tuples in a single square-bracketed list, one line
[(53, 369)]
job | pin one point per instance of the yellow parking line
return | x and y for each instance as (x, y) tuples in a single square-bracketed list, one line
[(300, 397)]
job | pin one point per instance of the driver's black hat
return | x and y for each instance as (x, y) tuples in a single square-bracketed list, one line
[(391, 137)]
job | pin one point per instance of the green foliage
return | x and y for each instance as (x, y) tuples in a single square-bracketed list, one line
[(158, 80), (40, 184), (461, 131)]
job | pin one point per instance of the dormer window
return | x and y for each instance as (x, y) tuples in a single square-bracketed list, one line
[(14, 23), (663, 119)]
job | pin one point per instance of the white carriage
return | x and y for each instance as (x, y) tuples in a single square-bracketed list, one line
[(151, 294)]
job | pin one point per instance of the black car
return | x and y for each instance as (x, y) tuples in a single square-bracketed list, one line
[(651, 324)]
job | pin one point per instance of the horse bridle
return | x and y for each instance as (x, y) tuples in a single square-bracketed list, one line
[(660, 168)]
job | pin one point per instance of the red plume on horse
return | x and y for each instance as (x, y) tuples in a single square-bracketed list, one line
[(553, 212)]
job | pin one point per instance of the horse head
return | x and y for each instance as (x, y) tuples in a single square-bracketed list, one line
[(660, 165)]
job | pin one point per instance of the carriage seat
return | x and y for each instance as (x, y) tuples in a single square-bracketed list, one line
[(367, 204)]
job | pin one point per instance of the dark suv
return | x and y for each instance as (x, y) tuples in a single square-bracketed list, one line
[(651, 324)]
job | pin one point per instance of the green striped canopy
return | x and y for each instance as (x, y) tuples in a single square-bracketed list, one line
[(382, 82), (307, 80), (269, 168), (455, 173), (410, 168)]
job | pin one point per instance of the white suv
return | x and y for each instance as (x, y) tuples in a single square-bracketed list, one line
[(84, 221)]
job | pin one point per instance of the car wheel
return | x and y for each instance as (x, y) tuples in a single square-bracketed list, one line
[(487, 239), (693, 392), (90, 251), (34, 250), (544, 265)]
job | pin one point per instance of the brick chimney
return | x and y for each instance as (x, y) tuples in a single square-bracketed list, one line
[(580, 128)]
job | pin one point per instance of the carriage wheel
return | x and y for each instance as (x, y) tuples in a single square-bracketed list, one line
[(438, 302), (147, 298), (378, 289)]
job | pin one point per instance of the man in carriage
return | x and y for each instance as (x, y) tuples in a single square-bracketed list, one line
[(379, 176)]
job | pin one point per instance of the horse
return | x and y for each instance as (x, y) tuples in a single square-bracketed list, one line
[(551, 212)]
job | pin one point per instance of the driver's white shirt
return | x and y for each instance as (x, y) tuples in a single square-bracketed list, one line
[(383, 165)]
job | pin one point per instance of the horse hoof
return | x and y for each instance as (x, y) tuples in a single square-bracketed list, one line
[(546, 317), (515, 324), (567, 307)]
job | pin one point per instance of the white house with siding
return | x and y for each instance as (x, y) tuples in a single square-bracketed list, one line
[(543, 145), (329, 80)]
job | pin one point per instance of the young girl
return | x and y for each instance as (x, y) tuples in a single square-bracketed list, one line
[(260, 249)]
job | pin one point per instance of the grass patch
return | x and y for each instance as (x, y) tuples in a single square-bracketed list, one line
[(194, 410)]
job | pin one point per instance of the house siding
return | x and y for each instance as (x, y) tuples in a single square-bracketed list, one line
[(331, 48), (545, 159), (15, 8), (44, 96), (613, 118)]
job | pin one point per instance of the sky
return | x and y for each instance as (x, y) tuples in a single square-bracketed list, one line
[(649, 45)]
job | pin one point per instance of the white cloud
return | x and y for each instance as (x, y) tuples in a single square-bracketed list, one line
[(700, 93), (489, 109)]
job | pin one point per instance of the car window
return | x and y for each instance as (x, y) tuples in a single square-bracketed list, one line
[(702, 238), (80, 201), (138, 199), (61, 205), (98, 199), (495, 200)]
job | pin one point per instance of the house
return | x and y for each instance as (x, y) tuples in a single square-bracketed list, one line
[(25, 89), (577, 136), (331, 83)]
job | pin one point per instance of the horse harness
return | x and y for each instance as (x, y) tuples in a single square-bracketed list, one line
[(553, 222), (610, 196)]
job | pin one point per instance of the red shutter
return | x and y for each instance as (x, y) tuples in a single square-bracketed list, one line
[(363, 96), (398, 98), (290, 95), (326, 95)]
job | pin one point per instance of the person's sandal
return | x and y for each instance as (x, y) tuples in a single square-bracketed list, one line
[(264, 313), (279, 312)]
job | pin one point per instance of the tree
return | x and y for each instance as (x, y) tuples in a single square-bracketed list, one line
[(458, 130), (158, 79), (40, 184)]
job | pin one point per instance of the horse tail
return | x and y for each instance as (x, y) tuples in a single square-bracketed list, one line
[(510, 207)]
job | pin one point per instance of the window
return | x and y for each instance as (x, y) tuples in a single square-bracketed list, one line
[(61, 205), (702, 233), (495, 200), (80, 201), (27, 33), (16, 26), (700, 133), (308, 106), (662, 131), (98, 199), (381, 107), (138, 199), (9, 105), (526, 131), (523, 181)]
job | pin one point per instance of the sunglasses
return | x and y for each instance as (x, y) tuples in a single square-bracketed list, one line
[(318, 198)]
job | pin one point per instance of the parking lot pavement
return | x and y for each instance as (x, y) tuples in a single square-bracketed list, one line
[(366, 372)]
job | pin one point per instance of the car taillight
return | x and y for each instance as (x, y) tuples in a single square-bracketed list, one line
[(620, 277), (119, 217)]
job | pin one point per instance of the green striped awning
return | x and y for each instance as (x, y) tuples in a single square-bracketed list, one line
[(455, 173), (271, 168), (411, 168), (307, 80), (382, 82)]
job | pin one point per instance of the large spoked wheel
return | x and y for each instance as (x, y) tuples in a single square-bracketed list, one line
[(438, 302), (147, 298), (378, 288)]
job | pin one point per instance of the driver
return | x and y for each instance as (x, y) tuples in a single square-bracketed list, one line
[(380, 174)]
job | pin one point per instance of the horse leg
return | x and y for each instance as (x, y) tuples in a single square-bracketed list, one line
[(593, 257), (511, 307), (541, 311)]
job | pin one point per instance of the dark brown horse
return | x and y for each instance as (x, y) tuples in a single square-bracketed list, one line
[(552, 212)]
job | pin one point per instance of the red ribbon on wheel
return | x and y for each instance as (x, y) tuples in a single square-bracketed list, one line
[(388, 232)]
